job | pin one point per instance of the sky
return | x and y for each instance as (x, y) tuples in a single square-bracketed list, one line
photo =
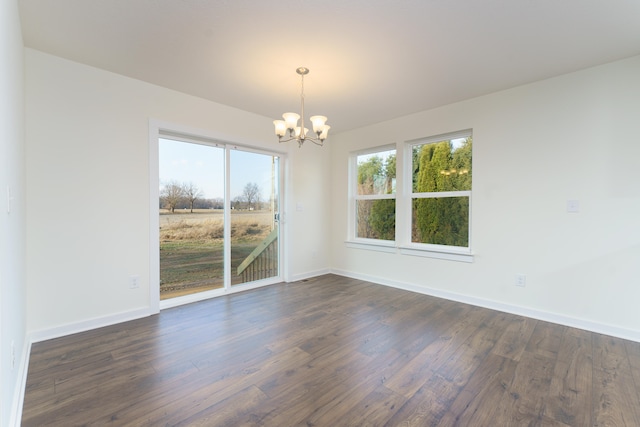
[(203, 165)]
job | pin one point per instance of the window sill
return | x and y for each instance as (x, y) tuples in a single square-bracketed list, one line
[(390, 247), (438, 254), (380, 246)]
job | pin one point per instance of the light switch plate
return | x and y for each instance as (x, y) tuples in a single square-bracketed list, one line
[(573, 206)]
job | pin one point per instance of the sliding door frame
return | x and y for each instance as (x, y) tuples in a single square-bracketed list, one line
[(159, 129)]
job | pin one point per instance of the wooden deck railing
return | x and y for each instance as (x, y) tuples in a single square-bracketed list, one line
[(262, 263)]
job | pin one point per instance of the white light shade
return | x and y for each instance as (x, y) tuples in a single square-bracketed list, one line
[(281, 127), (291, 119), (318, 123), (297, 130), (324, 133)]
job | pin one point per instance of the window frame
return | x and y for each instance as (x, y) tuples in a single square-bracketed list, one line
[(354, 197), (404, 196), (161, 129), (428, 249)]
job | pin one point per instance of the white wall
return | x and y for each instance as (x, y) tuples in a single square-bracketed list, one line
[(535, 147), (88, 183), (12, 224), (309, 208)]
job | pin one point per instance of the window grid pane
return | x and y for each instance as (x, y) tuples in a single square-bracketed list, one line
[(376, 219), (375, 188), (376, 173), (440, 221), (441, 190), (442, 166)]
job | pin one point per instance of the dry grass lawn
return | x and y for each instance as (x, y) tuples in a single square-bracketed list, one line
[(191, 247)]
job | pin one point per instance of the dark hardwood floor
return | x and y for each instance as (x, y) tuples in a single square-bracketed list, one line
[(333, 351)]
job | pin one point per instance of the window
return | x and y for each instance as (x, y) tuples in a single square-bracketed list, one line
[(432, 209), (441, 190), (374, 186)]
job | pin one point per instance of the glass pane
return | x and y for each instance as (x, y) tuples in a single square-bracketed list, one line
[(191, 218), (254, 216), (377, 173), (441, 221), (442, 166), (376, 219)]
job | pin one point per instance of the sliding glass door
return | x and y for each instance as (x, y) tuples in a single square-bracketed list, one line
[(254, 216), (218, 215)]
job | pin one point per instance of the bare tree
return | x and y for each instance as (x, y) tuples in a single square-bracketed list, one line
[(251, 194), (191, 193), (237, 202), (171, 194), (217, 203)]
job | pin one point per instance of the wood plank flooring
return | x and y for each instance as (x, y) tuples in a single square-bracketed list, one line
[(332, 351)]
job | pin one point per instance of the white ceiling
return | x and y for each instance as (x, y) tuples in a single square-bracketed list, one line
[(370, 60)]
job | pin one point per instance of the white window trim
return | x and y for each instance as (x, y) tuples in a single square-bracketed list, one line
[(353, 195), (404, 195), (426, 249), (441, 194), (373, 245), (452, 253), (375, 196)]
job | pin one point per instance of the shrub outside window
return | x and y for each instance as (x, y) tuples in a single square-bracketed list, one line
[(375, 195), (441, 190)]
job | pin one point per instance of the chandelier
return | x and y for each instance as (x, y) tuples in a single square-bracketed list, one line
[(301, 133)]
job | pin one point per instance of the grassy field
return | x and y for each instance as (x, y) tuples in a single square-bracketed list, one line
[(191, 247)]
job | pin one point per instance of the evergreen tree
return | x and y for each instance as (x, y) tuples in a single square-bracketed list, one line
[(383, 219), (443, 220)]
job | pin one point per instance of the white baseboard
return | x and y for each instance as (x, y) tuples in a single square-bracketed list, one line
[(309, 275), (86, 325), (561, 319)]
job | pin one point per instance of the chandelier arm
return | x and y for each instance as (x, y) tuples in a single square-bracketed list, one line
[(291, 138), (300, 141), (316, 141)]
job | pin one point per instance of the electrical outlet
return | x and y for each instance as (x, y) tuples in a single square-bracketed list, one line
[(134, 282), (521, 280)]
